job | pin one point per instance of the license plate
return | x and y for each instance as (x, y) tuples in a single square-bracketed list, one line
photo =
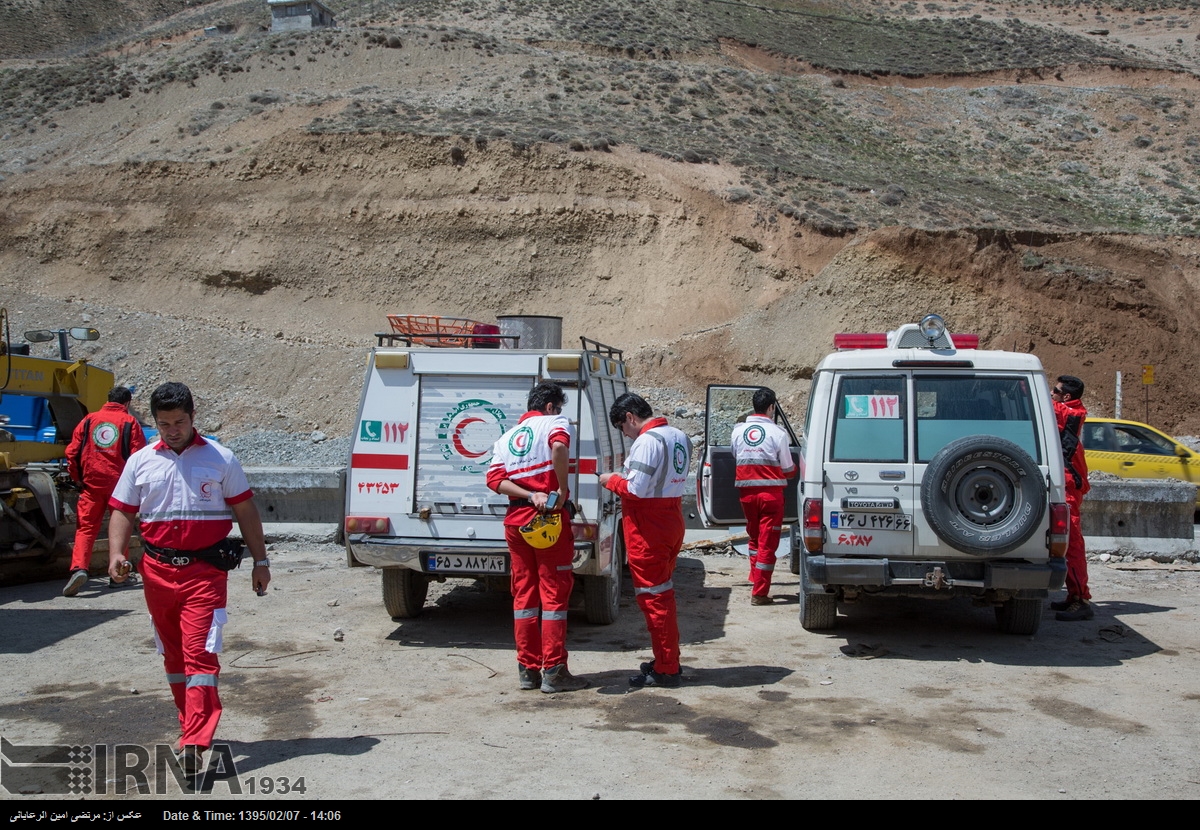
[(466, 563), (871, 521)]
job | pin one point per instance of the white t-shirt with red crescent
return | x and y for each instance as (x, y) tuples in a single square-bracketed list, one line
[(183, 498)]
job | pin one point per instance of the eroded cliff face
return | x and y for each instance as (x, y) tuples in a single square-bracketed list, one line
[(261, 278), (1086, 305)]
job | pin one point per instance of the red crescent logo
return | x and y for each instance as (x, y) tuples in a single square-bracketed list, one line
[(206, 488), (457, 438)]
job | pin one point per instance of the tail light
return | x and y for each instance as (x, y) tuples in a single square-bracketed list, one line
[(376, 525), (814, 528), (1060, 529), (584, 532)]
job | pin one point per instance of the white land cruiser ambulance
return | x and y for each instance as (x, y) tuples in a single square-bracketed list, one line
[(417, 502), (928, 468)]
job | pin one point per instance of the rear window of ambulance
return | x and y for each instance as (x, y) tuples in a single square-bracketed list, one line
[(949, 408), (870, 420)]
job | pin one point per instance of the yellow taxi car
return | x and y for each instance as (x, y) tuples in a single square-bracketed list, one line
[(1134, 450)]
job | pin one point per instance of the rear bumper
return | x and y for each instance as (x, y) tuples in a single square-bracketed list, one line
[(1015, 575), (399, 552)]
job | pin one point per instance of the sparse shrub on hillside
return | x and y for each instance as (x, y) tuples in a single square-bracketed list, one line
[(837, 150)]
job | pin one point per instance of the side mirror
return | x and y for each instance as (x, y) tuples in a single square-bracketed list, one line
[(84, 334), (1182, 451), (39, 336)]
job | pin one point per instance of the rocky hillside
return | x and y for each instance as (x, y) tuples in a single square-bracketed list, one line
[(715, 186)]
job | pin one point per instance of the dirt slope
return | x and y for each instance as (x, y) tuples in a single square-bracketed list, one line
[(236, 268), (213, 237)]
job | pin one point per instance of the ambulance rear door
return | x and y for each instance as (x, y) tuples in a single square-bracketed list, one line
[(459, 419)]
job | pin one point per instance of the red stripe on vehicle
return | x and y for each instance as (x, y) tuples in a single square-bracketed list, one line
[(585, 466), (378, 461)]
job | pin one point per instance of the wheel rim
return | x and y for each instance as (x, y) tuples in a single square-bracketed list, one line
[(984, 496)]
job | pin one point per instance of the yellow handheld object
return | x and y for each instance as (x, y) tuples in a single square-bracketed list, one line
[(543, 531)]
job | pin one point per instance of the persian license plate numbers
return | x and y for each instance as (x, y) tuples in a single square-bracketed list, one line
[(871, 521), (466, 563)]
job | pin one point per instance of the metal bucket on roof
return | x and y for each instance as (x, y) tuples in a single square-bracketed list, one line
[(536, 331)]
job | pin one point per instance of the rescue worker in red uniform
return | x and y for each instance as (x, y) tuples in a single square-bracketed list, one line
[(529, 465), (187, 491), (762, 453), (651, 485), (1071, 414), (101, 443)]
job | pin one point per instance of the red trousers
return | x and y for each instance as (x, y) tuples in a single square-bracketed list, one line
[(653, 537), (187, 606), (90, 512), (1077, 573), (763, 507), (541, 588)]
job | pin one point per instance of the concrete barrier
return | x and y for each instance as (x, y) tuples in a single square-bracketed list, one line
[(299, 494), (1135, 519), (1149, 508)]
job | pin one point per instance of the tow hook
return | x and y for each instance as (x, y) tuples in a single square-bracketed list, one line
[(936, 579)]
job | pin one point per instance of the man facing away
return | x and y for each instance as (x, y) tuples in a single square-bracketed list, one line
[(764, 464), (651, 486), (99, 447), (529, 465), (1071, 414), (188, 492)]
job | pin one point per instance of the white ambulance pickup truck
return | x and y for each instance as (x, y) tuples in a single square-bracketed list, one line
[(417, 502), (928, 468)]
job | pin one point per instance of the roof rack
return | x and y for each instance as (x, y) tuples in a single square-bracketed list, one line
[(590, 345), (443, 332)]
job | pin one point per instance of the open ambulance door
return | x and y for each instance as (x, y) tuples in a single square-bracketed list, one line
[(716, 497)]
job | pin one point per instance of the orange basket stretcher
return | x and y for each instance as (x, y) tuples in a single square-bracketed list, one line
[(443, 332)]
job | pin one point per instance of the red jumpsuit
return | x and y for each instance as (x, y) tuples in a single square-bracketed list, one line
[(542, 578), (1077, 573), (764, 464), (183, 501), (651, 486), (95, 457)]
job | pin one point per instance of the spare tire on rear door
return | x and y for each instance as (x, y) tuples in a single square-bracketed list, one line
[(983, 495)]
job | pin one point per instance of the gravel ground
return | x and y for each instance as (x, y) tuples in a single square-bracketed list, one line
[(272, 448), (318, 682)]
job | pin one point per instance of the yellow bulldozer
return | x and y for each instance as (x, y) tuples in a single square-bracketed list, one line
[(36, 496)]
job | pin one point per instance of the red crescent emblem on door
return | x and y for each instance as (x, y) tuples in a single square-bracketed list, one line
[(457, 438)]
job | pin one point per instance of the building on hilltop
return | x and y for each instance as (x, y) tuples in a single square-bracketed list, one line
[(289, 15)]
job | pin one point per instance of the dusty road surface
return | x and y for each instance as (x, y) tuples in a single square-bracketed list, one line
[(906, 699)]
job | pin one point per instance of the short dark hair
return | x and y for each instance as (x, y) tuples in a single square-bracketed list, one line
[(629, 402), (119, 394), (763, 398), (1072, 386), (172, 395), (546, 392)]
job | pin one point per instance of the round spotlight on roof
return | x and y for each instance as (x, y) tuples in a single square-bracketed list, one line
[(933, 327)]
